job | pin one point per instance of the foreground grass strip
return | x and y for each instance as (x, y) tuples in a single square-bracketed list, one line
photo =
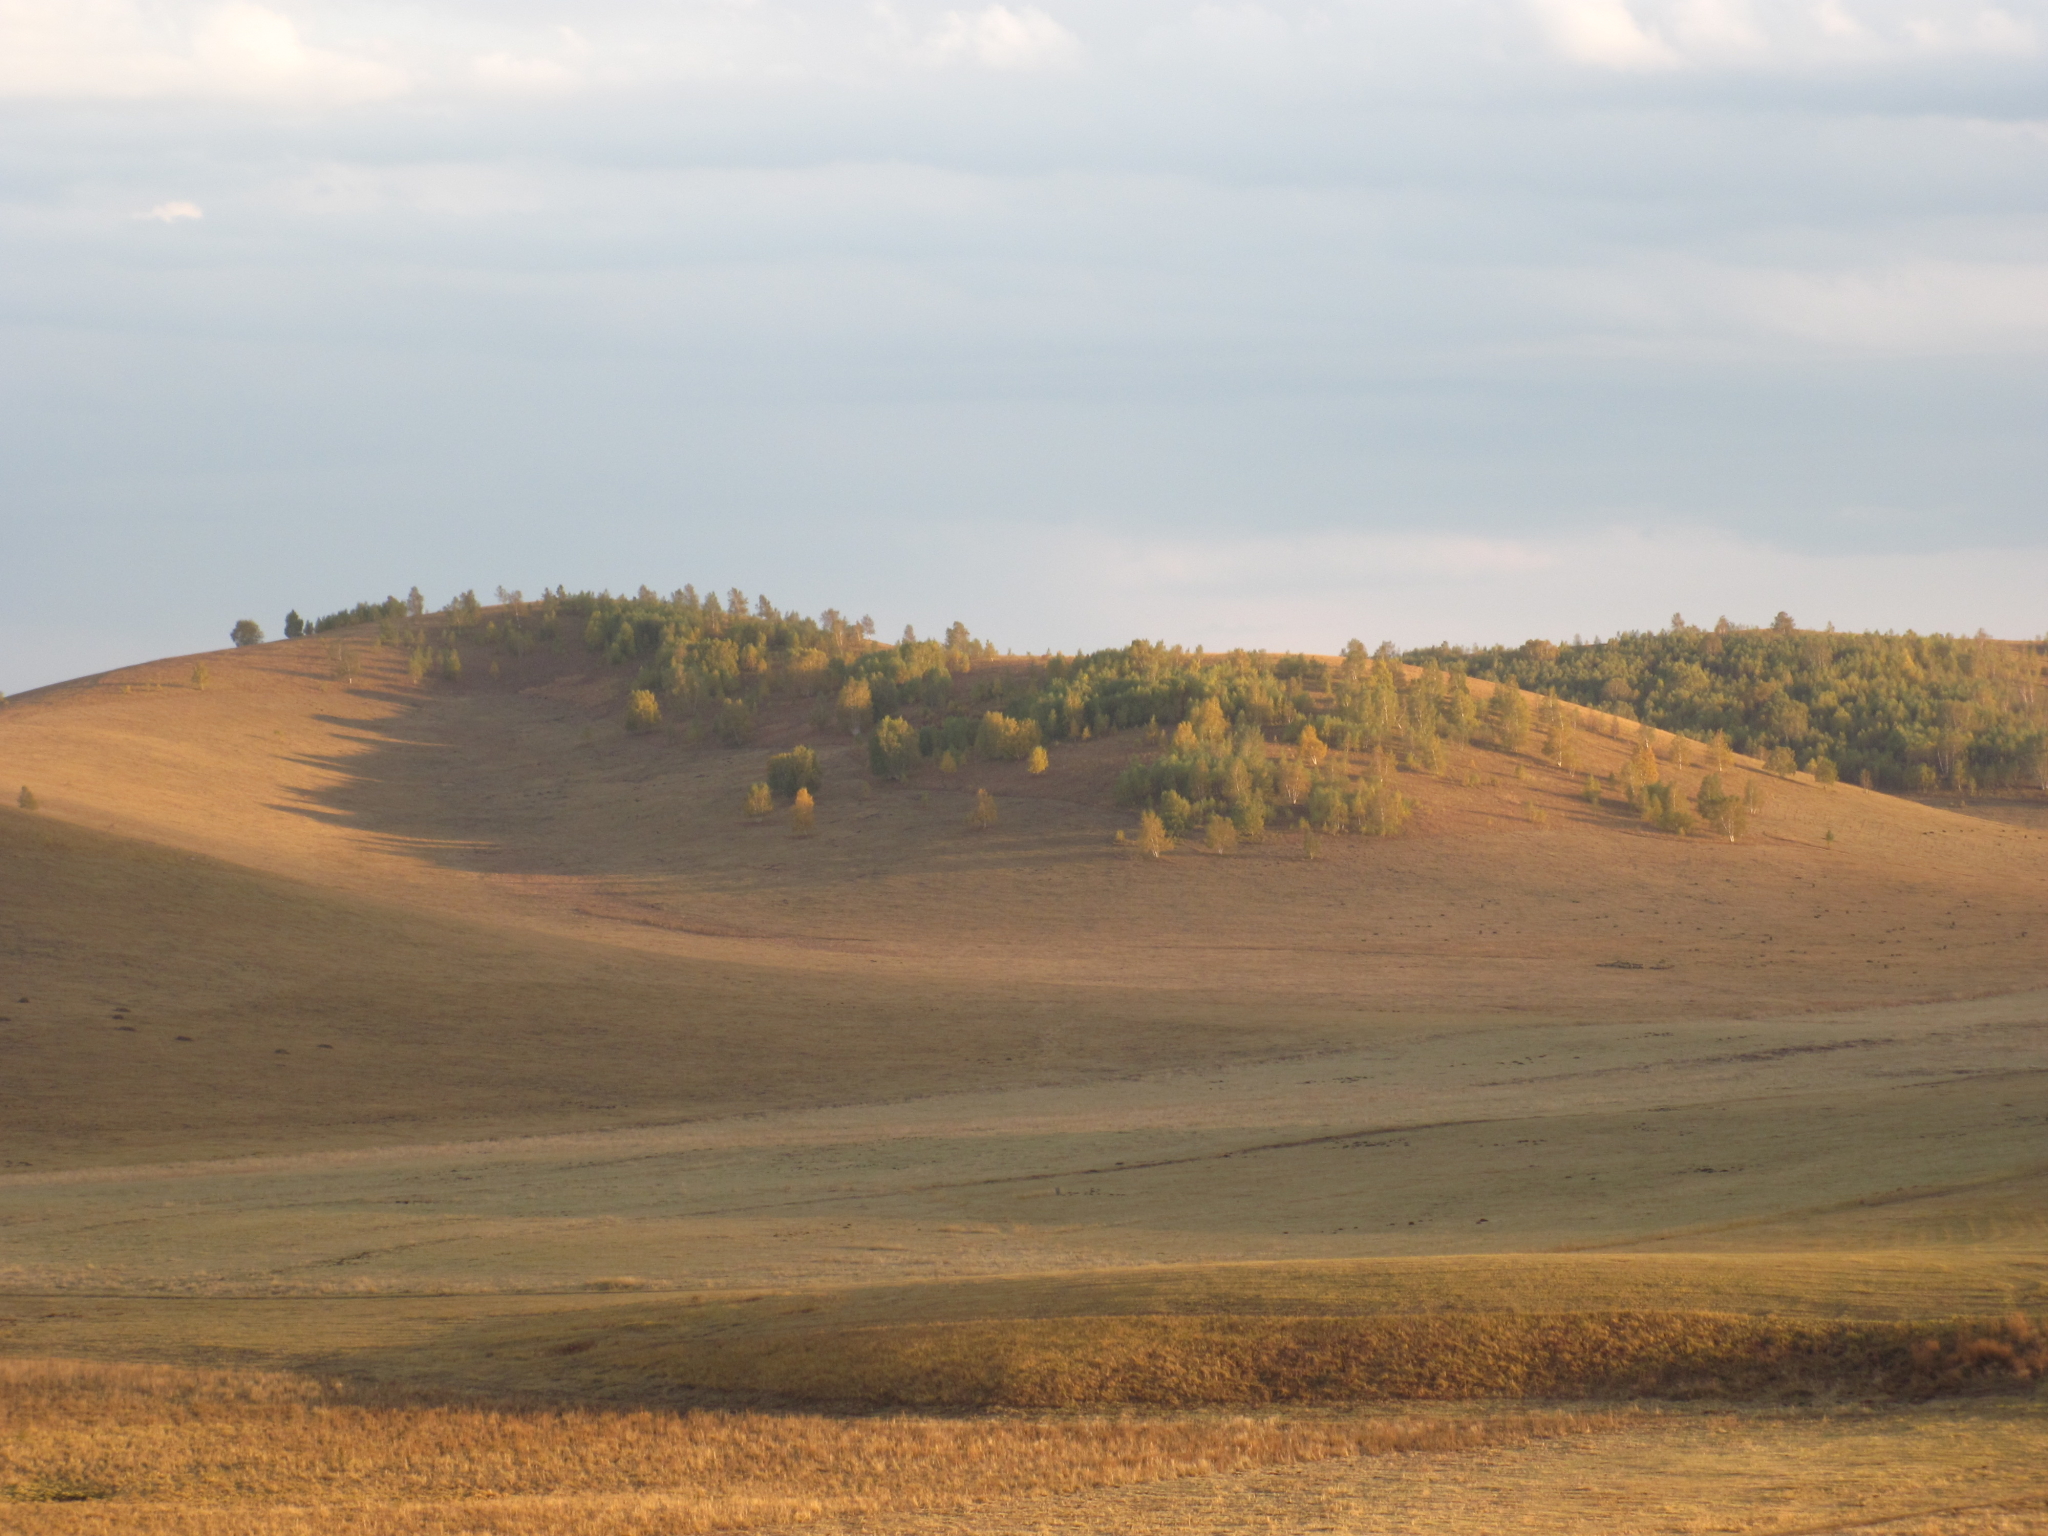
[(1188, 1362), (157, 1450)]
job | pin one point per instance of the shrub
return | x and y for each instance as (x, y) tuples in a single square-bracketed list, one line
[(451, 665), (1037, 762), (1004, 739), (246, 632), (759, 801), (27, 799), (983, 816), (803, 814), (1152, 836), (1378, 809), (1664, 810), (1327, 810), (1221, 836), (199, 675), (1173, 811), (794, 770), (1591, 793), (734, 723), (892, 748), (643, 711)]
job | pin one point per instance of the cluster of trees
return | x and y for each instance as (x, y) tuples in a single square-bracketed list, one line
[(1899, 712)]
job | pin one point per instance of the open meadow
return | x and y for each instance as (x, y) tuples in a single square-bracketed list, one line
[(427, 1105)]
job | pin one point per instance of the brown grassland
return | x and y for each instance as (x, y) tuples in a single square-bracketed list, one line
[(432, 1108)]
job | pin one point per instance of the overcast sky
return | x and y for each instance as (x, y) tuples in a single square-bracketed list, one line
[(1265, 324)]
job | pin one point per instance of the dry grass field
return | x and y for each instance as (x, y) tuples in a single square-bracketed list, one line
[(440, 1067)]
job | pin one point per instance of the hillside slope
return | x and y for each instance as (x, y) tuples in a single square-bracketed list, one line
[(498, 908)]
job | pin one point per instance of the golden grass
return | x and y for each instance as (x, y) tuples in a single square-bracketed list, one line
[(1211, 1361), (158, 1450)]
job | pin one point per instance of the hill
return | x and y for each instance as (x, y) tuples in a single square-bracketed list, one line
[(422, 1023)]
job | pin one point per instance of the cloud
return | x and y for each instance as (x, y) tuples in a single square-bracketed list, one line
[(120, 50), (1603, 33), (1002, 39), (171, 213), (1627, 35)]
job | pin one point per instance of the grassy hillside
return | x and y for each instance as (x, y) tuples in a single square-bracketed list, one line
[(418, 1026)]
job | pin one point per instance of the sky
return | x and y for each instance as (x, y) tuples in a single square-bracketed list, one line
[(1270, 325)]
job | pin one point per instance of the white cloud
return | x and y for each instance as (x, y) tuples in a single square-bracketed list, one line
[(1003, 39), (171, 213), (1669, 34), (1603, 33), (121, 50)]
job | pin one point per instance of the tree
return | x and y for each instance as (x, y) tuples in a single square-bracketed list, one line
[(1173, 810), (27, 799), (856, 705), (759, 801), (643, 711), (1309, 745), (793, 771), (246, 632), (1152, 839), (983, 816), (803, 814), (1723, 812), (1037, 762), (892, 747), (1220, 836), (1560, 734), (294, 626), (199, 675), (1507, 716), (415, 604), (1641, 771), (734, 723)]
